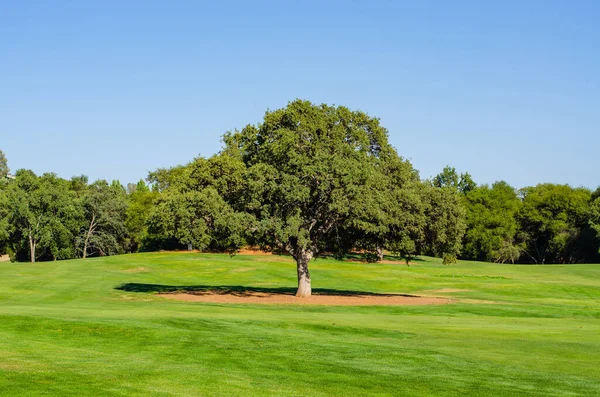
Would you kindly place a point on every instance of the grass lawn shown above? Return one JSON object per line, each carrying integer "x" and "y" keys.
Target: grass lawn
{"x": 67, "y": 329}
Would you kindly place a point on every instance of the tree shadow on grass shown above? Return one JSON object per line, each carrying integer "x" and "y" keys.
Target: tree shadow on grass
{"x": 238, "y": 290}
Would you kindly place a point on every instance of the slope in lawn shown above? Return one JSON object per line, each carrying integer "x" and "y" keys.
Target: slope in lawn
{"x": 70, "y": 328}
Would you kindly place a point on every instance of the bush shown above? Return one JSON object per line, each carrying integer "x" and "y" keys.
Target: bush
{"x": 449, "y": 259}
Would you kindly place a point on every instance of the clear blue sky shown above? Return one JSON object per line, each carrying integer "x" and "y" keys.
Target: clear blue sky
{"x": 504, "y": 90}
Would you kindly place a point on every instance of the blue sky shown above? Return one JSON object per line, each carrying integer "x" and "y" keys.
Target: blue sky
{"x": 504, "y": 90}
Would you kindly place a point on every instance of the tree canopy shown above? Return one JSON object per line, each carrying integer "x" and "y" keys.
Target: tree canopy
{"x": 315, "y": 173}
{"x": 552, "y": 218}
{"x": 3, "y": 165}
{"x": 307, "y": 180}
{"x": 491, "y": 223}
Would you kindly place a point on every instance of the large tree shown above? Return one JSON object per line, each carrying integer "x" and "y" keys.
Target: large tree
{"x": 309, "y": 170}
{"x": 552, "y": 218}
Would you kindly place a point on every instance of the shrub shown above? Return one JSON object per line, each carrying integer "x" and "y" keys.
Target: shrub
{"x": 449, "y": 259}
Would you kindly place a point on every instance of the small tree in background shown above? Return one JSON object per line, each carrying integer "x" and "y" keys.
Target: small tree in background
{"x": 198, "y": 217}
{"x": 140, "y": 200}
{"x": 3, "y": 165}
{"x": 42, "y": 216}
{"x": 445, "y": 221}
{"x": 492, "y": 225}
{"x": 104, "y": 213}
{"x": 449, "y": 259}
{"x": 594, "y": 220}
{"x": 552, "y": 218}
{"x": 464, "y": 183}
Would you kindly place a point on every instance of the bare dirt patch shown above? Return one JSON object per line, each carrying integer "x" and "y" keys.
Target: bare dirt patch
{"x": 4, "y": 258}
{"x": 290, "y": 299}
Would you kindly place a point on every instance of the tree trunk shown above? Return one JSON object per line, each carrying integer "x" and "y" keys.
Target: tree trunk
{"x": 31, "y": 248}
{"x": 87, "y": 236}
{"x": 379, "y": 252}
{"x": 304, "y": 288}
{"x": 85, "y": 247}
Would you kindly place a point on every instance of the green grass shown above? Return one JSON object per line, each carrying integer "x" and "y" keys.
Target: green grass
{"x": 66, "y": 329}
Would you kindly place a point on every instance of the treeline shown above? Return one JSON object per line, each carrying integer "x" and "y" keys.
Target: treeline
{"x": 49, "y": 218}
{"x": 547, "y": 223}
{"x": 310, "y": 179}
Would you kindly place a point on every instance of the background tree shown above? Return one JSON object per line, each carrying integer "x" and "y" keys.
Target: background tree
{"x": 594, "y": 219}
{"x": 552, "y": 218}
{"x": 449, "y": 178}
{"x": 492, "y": 225}
{"x": 198, "y": 217}
{"x": 104, "y": 213}
{"x": 393, "y": 218}
{"x": 41, "y": 216}
{"x": 445, "y": 221}
{"x": 466, "y": 183}
{"x": 3, "y": 165}
{"x": 163, "y": 178}
{"x": 4, "y": 225}
{"x": 140, "y": 203}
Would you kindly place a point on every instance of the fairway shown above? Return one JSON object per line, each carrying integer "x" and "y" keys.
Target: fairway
{"x": 97, "y": 327}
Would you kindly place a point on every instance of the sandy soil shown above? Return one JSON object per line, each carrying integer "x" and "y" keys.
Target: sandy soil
{"x": 289, "y": 299}
{"x": 4, "y": 258}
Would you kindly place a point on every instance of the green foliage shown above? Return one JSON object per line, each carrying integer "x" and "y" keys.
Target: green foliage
{"x": 140, "y": 203}
{"x": 450, "y": 178}
{"x": 49, "y": 218}
{"x": 449, "y": 259}
{"x": 42, "y": 217}
{"x": 466, "y": 183}
{"x": 594, "y": 220}
{"x": 163, "y": 178}
{"x": 552, "y": 218}
{"x": 4, "y": 224}
{"x": 492, "y": 224}
{"x": 308, "y": 179}
{"x": 201, "y": 218}
{"x": 105, "y": 209}
{"x": 447, "y": 178}
{"x": 3, "y": 165}
{"x": 325, "y": 178}
{"x": 445, "y": 221}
